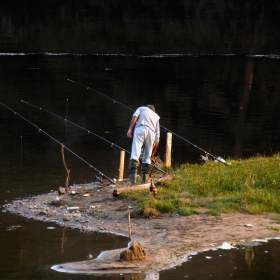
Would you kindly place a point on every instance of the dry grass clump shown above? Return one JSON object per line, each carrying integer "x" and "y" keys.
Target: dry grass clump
{"x": 146, "y": 212}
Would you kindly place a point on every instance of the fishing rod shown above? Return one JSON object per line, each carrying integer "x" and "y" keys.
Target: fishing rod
{"x": 88, "y": 131}
{"x": 40, "y": 130}
{"x": 67, "y": 121}
{"x": 166, "y": 129}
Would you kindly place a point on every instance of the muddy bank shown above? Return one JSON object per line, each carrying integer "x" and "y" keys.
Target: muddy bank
{"x": 167, "y": 240}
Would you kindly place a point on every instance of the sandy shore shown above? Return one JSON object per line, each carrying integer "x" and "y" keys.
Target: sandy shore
{"x": 167, "y": 240}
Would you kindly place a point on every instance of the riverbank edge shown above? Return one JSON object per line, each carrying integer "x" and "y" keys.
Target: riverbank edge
{"x": 168, "y": 240}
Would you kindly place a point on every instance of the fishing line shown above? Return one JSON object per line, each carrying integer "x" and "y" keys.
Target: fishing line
{"x": 40, "y": 130}
{"x": 166, "y": 129}
{"x": 88, "y": 131}
{"x": 67, "y": 121}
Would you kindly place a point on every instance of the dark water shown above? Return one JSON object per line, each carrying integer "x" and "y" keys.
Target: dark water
{"x": 210, "y": 68}
{"x": 243, "y": 262}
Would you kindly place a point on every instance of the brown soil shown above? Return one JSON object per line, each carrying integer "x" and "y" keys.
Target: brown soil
{"x": 167, "y": 240}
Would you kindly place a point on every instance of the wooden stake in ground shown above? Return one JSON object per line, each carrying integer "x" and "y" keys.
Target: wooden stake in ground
{"x": 121, "y": 168}
{"x": 168, "y": 149}
{"x": 129, "y": 226}
{"x": 67, "y": 170}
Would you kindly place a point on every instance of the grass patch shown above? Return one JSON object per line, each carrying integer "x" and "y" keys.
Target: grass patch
{"x": 273, "y": 228}
{"x": 187, "y": 211}
{"x": 250, "y": 186}
{"x": 213, "y": 212}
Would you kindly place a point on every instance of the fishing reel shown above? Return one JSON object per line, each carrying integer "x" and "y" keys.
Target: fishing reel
{"x": 98, "y": 179}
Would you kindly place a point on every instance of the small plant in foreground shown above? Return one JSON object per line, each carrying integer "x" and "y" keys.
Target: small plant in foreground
{"x": 146, "y": 212}
{"x": 150, "y": 213}
{"x": 213, "y": 212}
{"x": 187, "y": 211}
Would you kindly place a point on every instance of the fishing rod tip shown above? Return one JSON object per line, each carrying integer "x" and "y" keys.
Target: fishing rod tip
{"x": 70, "y": 80}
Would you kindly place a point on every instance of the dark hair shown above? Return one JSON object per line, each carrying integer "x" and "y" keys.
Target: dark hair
{"x": 151, "y": 107}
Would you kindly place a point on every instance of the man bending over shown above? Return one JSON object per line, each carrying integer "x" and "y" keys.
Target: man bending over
{"x": 146, "y": 135}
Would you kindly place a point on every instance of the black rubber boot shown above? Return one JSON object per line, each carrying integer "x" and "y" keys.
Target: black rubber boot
{"x": 145, "y": 178}
{"x": 145, "y": 171}
{"x": 133, "y": 165}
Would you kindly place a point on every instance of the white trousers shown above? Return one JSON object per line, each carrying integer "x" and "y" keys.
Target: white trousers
{"x": 143, "y": 137}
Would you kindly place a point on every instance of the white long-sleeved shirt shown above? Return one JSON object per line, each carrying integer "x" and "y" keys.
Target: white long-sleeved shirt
{"x": 148, "y": 117}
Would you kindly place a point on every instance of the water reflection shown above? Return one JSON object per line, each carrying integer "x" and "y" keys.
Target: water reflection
{"x": 249, "y": 255}
{"x": 248, "y": 81}
{"x": 63, "y": 239}
{"x": 204, "y": 109}
{"x": 33, "y": 247}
